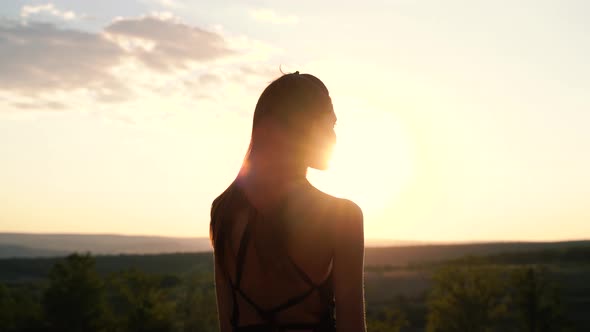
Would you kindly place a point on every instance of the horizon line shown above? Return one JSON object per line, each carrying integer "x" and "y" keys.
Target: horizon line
{"x": 403, "y": 241}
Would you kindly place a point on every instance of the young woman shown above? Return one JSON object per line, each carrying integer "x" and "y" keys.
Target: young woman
{"x": 288, "y": 257}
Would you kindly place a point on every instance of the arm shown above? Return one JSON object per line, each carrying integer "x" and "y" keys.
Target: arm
{"x": 223, "y": 292}
{"x": 348, "y": 269}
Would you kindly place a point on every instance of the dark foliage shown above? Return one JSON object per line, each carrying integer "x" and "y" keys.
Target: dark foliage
{"x": 175, "y": 292}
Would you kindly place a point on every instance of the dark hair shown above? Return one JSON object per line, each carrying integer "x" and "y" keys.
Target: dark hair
{"x": 287, "y": 101}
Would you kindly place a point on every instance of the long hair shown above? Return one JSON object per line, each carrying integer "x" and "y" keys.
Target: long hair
{"x": 290, "y": 101}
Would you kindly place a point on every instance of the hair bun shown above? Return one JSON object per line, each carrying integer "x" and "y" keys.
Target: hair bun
{"x": 296, "y": 73}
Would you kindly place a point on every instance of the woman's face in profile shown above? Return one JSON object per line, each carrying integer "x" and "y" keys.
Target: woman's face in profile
{"x": 322, "y": 139}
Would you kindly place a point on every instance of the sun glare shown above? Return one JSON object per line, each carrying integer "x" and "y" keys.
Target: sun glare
{"x": 371, "y": 162}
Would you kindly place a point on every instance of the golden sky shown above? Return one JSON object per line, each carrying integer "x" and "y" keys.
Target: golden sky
{"x": 462, "y": 121}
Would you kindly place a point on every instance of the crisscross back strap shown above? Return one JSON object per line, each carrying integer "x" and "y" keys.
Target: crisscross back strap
{"x": 269, "y": 315}
{"x": 302, "y": 273}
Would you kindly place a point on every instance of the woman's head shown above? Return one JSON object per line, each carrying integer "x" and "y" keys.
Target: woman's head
{"x": 293, "y": 126}
{"x": 294, "y": 118}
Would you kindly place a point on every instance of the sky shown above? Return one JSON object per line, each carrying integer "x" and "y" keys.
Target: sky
{"x": 457, "y": 120}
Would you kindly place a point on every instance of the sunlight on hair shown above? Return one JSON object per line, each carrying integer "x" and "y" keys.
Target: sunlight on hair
{"x": 372, "y": 161}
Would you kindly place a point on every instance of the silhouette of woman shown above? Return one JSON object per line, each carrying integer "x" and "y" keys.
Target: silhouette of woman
{"x": 288, "y": 256}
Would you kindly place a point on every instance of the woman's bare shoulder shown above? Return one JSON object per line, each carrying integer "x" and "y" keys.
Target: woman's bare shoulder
{"x": 334, "y": 210}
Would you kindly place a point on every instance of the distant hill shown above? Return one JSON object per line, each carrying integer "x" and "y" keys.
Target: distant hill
{"x": 377, "y": 259}
{"x": 51, "y": 245}
{"x": 404, "y": 255}
{"x": 378, "y": 251}
{"x": 48, "y": 245}
{"x": 7, "y": 250}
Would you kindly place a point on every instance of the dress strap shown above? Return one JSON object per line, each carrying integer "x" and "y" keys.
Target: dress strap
{"x": 241, "y": 257}
{"x": 244, "y": 246}
{"x": 302, "y": 273}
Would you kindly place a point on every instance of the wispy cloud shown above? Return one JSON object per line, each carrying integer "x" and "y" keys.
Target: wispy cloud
{"x": 270, "y": 16}
{"x": 39, "y": 57}
{"x": 43, "y": 63}
{"x": 50, "y": 9}
{"x": 167, "y": 43}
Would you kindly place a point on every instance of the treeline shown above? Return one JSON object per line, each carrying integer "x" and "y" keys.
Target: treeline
{"x": 175, "y": 263}
{"x": 578, "y": 255}
{"x": 478, "y": 298}
{"x": 76, "y": 298}
{"x": 180, "y": 263}
{"x": 492, "y": 298}
{"x": 570, "y": 255}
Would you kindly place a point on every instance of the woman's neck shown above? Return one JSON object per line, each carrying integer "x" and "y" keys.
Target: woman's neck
{"x": 273, "y": 172}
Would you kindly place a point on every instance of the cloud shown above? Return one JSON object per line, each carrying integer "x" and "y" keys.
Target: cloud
{"x": 167, "y": 43}
{"x": 40, "y": 58}
{"x": 270, "y": 16}
{"x": 131, "y": 62}
{"x": 209, "y": 78}
{"x": 49, "y": 105}
{"x": 48, "y": 8}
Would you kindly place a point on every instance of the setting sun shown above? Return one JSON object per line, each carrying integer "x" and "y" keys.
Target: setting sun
{"x": 372, "y": 161}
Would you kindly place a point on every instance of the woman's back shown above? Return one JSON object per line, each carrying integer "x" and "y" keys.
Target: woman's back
{"x": 301, "y": 285}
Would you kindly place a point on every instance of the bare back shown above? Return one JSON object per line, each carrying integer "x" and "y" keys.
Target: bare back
{"x": 315, "y": 224}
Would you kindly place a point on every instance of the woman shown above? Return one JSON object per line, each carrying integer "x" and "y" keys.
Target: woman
{"x": 287, "y": 256}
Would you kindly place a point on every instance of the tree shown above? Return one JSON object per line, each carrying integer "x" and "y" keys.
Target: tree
{"x": 20, "y": 309}
{"x": 6, "y": 307}
{"x": 142, "y": 303}
{"x": 392, "y": 320}
{"x": 467, "y": 299}
{"x": 74, "y": 300}
{"x": 197, "y": 306}
{"x": 535, "y": 300}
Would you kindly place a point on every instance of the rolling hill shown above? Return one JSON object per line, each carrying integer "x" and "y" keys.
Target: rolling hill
{"x": 378, "y": 252}
{"x": 49, "y": 245}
